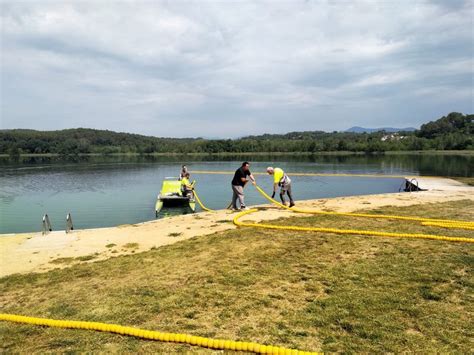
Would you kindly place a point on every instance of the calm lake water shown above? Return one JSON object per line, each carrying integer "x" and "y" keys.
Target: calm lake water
{"x": 108, "y": 191}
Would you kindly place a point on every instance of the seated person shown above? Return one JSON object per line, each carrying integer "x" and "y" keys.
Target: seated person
{"x": 184, "y": 170}
{"x": 186, "y": 186}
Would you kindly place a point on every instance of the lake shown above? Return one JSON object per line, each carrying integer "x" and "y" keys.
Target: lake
{"x": 114, "y": 190}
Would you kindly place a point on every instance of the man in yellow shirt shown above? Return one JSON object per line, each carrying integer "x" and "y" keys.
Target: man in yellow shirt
{"x": 186, "y": 186}
{"x": 282, "y": 180}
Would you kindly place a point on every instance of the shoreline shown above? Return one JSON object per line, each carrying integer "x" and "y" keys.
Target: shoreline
{"x": 466, "y": 152}
{"x": 33, "y": 252}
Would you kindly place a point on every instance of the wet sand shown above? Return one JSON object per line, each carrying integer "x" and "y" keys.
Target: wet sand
{"x": 34, "y": 252}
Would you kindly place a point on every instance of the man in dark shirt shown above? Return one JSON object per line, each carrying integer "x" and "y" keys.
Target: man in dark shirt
{"x": 238, "y": 184}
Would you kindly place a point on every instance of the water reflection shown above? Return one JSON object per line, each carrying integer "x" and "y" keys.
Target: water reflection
{"x": 422, "y": 164}
{"x": 174, "y": 211}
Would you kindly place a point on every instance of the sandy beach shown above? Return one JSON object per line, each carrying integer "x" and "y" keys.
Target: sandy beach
{"x": 34, "y": 252}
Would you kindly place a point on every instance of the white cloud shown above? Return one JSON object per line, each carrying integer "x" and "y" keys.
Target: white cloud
{"x": 385, "y": 79}
{"x": 136, "y": 66}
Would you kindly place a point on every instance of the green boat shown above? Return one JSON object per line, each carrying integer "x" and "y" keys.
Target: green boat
{"x": 171, "y": 194}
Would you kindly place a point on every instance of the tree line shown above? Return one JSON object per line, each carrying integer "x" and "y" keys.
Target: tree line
{"x": 451, "y": 132}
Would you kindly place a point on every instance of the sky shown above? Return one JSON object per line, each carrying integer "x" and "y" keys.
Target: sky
{"x": 233, "y": 68}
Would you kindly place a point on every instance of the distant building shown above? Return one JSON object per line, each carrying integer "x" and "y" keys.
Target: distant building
{"x": 392, "y": 137}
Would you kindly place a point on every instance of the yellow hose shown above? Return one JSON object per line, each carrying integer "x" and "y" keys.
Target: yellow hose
{"x": 346, "y": 231}
{"x": 200, "y": 203}
{"x": 453, "y": 223}
{"x": 444, "y": 223}
{"x": 448, "y": 225}
{"x": 221, "y": 344}
{"x": 425, "y": 221}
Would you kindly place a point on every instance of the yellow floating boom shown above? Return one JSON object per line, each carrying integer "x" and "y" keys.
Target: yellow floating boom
{"x": 219, "y": 172}
{"x": 220, "y": 344}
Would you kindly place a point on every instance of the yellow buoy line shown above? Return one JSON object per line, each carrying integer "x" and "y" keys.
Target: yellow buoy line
{"x": 220, "y": 344}
{"x": 219, "y": 172}
{"x": 448, "y": 225}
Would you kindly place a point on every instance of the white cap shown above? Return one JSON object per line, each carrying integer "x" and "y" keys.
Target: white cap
{"x": 270, "y": 170}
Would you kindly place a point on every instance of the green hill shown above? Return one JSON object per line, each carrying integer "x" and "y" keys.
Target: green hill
{"x": 453, "y": 132}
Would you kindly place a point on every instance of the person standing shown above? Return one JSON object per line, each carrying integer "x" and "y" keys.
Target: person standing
{"x": 238, "y": 183}
{"x": 184, "y": 171}
{"x": 282, "y": 180}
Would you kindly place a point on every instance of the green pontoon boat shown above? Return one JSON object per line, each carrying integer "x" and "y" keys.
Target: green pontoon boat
{"x": 172, "y": 195}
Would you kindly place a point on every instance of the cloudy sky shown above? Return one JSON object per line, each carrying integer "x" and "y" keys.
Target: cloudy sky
{"x": 228, "y": 69}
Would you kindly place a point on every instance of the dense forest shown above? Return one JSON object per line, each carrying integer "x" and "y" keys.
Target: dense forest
{"x": 451, "y": 132}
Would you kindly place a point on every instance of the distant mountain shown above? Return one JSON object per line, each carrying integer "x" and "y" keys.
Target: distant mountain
{"x": 386, "y": 129}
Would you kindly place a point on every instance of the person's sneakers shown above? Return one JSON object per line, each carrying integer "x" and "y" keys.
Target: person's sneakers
{"x": 244, "y": 208}
{"x": 291, "y": 204}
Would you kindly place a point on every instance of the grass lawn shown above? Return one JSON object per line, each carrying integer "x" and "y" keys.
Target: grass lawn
{"x": 310, "y": 291}
{"x": 465, "y": 180}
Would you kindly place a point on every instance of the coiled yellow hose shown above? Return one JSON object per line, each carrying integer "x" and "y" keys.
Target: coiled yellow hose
{"x": 446, "y": 222}
{"x": 425, "y": 221}
{"x": 346, "y": 231}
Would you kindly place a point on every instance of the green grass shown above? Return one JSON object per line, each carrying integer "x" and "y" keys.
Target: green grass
{"x": 131, "y": 245}
{"x": 87, "y": 257}
{"x": 62, "y": 261}
{"x": 466, "y": 180}
{"x": 431, "y": 152}
{"x": 307, "y": 290}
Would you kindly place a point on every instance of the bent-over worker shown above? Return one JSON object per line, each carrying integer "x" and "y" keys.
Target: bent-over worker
{"x": 282, "y": 180}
